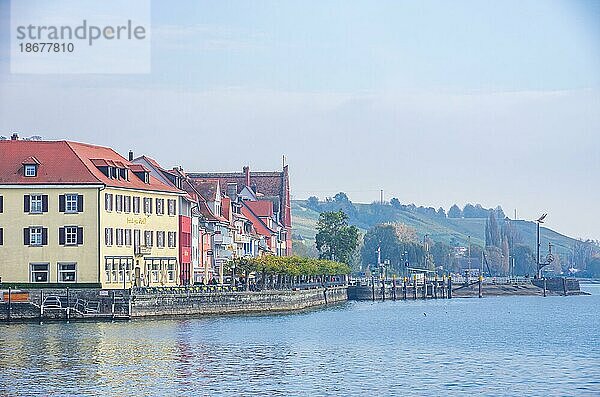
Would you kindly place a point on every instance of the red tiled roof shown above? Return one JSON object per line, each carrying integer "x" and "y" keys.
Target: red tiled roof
{"x": 260, "y": 227}
{"x": 64, "y": 162}
{"x": 261, "y": 208}
{"x": 207, "y": 188}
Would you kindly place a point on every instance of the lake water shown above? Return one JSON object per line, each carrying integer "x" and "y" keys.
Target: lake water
{"x": 492, "y": 346}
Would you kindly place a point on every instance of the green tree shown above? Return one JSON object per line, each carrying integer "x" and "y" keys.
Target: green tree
{"x": 312, "y": 202}
{"x": 454, "y": 212}
{"x": 393, "y": 240}
{"x": 335, "y": 239}
{"x": 524, "y": 260}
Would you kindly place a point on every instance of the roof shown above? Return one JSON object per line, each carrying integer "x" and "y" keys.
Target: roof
{"x": 263, "y": 208}
{"x": 270, "y": 183}
{"x": 65, "y": 162}
{"x": 259, "y": 225}
{"x": 207, "y": 188}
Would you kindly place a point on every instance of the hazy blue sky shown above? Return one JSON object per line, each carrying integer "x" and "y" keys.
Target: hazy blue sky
{"x": 435, "y": 102}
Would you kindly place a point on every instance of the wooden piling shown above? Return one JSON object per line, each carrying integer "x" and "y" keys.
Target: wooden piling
{"x": 404, "y": 280}
{"x": 564, "y": 282}
{"x": 41, "y": 304}
{"x": 544, "y": 287}
{"x": 394, "y": 288}
{"x": 68, "y": 306}
{"x": 424, "y": 288}
{"x": 480, "y": 280}
{"x": 9, "y": 313}
{"x": 373, "y": 288}
{"x": 449, "y": 287}
{"x": 382, "y": 289}
{"x": 415, "y": 286}
{"x": 435, "y": 287}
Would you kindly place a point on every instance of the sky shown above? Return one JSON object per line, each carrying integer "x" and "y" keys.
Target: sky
{"x": 434, "y": 102}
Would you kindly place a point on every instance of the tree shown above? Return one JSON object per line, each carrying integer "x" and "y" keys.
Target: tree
{"x": 335, "y": 239}
{"x": 441, "y": 213}
{"x": 469, "y": 211}
{"x": 393, "y": 240}
{"x": 312, "y": 202}
{"x": 492, "y": 232}
{"x": 454, "y": 212}
{"x": 394, "y": 202}
{"x": 524, "y": 260}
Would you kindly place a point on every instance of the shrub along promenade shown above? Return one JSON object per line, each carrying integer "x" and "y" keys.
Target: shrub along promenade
{"x": 266, "y": 284}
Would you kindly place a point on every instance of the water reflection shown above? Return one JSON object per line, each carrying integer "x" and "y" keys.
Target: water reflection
{"x": 507, "y": 346}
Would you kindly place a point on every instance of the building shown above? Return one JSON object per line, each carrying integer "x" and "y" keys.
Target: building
{"x": 74, "y": 213}
{"x": 259, "y": 186}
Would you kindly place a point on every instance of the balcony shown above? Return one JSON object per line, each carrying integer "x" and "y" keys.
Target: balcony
{"x": 142, "y": 250}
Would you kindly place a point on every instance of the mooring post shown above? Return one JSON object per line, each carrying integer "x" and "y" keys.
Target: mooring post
{"x": 435, "y": 286}
{"x": 393, "y": 287}
{"x": 8, "y": 314}
{"x": 415, "y": 286}
{"x": 373, "y": 287}
{"x": 112, "y": 306}
{"x": 41, "y": 304}
{"x": 68, "y": 305}
{"x": 544, "y": 287}
{"x": 480, "y": 282}
{"x": 564, "y": 281}
{"x": 424, "y": 287}
{"x": 449, "y": 287}
{"x": 443, "y": 286}
{"x": 383, "y": 289}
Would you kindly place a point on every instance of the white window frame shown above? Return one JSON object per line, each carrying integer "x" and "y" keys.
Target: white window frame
{"x": 108, "y": 202}
{"x": 36, "y": 203}
{"x": 171, "y": 272}
{"x": 70, "y": 235}
{"x": 119, "y": 237}
{"x": 62, "y": 271}
{"x": 127, "y": 204}
{"x": 36, "y": 231}
{"x": 71, "y": 203}
{"x": 148, "y": 238}
{"x": 127, "y": 237}
{"x": 160, "y": 239}
{"x": 30, "y": 170}
{"x": 32, "y": 272}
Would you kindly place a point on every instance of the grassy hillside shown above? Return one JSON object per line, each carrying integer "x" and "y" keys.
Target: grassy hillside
{"x": 446, "y": 230}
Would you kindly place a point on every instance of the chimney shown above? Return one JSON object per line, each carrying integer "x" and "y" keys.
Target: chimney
{"x": 14, "y": 137}
{"x": 131, "y": 155}
{"x": 247, "y": 175}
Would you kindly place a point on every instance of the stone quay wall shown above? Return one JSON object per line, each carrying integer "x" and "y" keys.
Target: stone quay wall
{"x": 189, "y": 303}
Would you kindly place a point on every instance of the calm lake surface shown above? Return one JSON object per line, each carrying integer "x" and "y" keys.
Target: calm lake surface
{"x": 492, "y": 346}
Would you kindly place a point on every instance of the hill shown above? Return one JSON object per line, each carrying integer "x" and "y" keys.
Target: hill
{"x": 452, "y": 231}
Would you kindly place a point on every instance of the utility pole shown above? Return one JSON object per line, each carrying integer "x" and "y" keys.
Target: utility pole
{"x": 539, "y": 221}
{"x": 381, "y": 196}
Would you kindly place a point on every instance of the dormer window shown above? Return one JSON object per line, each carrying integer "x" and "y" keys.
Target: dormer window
{"x": 30, "y": 169}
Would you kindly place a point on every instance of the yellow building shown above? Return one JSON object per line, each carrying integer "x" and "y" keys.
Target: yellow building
{"x": 79, "y": 214}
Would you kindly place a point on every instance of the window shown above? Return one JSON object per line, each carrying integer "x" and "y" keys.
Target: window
{"x": 108, "y": 201}
{"x": 36, "y": 202}
{"x": 160, "y": 239}
{"x": 147, "y": 205}
{"x": 119, "y": 202}
{"x": 67, "y": 272}
{"x": 119, "y": 236}
{"x": 160, "y": 206}
{"x": 171, "y": 210}
{"x": 128, "y": 237}
{"x": 136, "y": 205}
{"x": 127, "y": 204}
{"x": 172, "y": 239}
{"x": 35, "y": 235}
{"x": 154, "y": 271}
{"x": 30, "y": 169}
{"x": 71, "y": 203}
{"x": 136, "y": 239}
{"x": 70, "y": 235}
{"x": 171, "y": 271}
{"x": 108, "y": 236}
{"x": 148, "y": 238}
{"x": 40, "y": 272}
{"x": 117, "y": 269}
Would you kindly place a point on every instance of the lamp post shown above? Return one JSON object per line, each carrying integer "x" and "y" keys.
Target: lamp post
{"x": 539, "y": 221}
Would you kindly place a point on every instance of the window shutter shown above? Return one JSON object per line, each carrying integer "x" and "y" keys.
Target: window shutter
{"x": 26, "y": 203}
{"x": 61, "y": 203}
{"x": 1, "y": 236}
{"x": 80, "y": 203}
{"x": 44, "y": 236}
{"x": 61, "y": 235}
{"x": 44, "y": 203}
{"x": 1, "y": 204}
{"x": 26, "y": 236}
{"x": 80, "y": 234}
